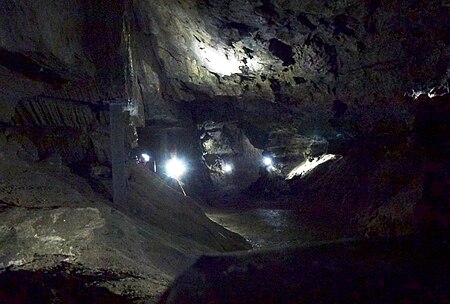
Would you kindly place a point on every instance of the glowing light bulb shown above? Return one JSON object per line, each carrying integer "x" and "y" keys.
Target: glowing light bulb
{"x": 267, "y": 161}
{"x": 175, "y": 168}
{"x": 227, "y": 168}
{"x": 146, "y": 157}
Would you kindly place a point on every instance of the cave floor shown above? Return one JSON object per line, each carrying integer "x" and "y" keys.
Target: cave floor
{"x": 269, "y": 224}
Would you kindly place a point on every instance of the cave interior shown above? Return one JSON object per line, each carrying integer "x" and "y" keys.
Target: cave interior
{"x": 224, "y": 151}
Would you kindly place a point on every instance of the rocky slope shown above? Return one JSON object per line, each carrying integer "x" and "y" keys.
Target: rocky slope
{"x": 52, "y": 222}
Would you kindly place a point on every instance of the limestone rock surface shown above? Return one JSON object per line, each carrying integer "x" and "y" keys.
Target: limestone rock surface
{"x": 51, "y": 218}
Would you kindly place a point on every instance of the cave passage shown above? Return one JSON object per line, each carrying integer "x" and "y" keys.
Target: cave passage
{"x": 178, "y": 151}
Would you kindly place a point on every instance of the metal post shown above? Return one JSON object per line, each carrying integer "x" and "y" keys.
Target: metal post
{"x": 117, "y": 127}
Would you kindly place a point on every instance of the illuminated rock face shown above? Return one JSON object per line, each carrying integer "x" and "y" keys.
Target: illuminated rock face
{"x": 289, "y": 72}
{"x": 315, "y": 66}
{"x": 282, "y": 72}
{"x": 286, "y": 78}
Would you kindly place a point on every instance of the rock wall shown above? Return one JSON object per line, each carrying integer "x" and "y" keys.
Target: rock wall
{"x": 224, "y": 144}
{"x": 60, "y": 66}
{"x": 388, "y": 185}
{"x": 289, "y": 72}
{"x": 313, "y": 69}
{"x": 277, "y": 76}
{"x": 316, "y": 61}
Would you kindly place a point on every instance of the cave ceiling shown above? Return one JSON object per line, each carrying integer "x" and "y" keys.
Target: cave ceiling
{"x": 309, "y": 68}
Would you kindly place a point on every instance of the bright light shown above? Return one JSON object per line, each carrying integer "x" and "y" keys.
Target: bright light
{"x": 175, "y": 168}
{"x": 217, "y": 60}
{"x": 308, "y": 165}
{"x": 227, "y": 168}
{"x": 267, "y": 161}
{"x": 146, "y": 157}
